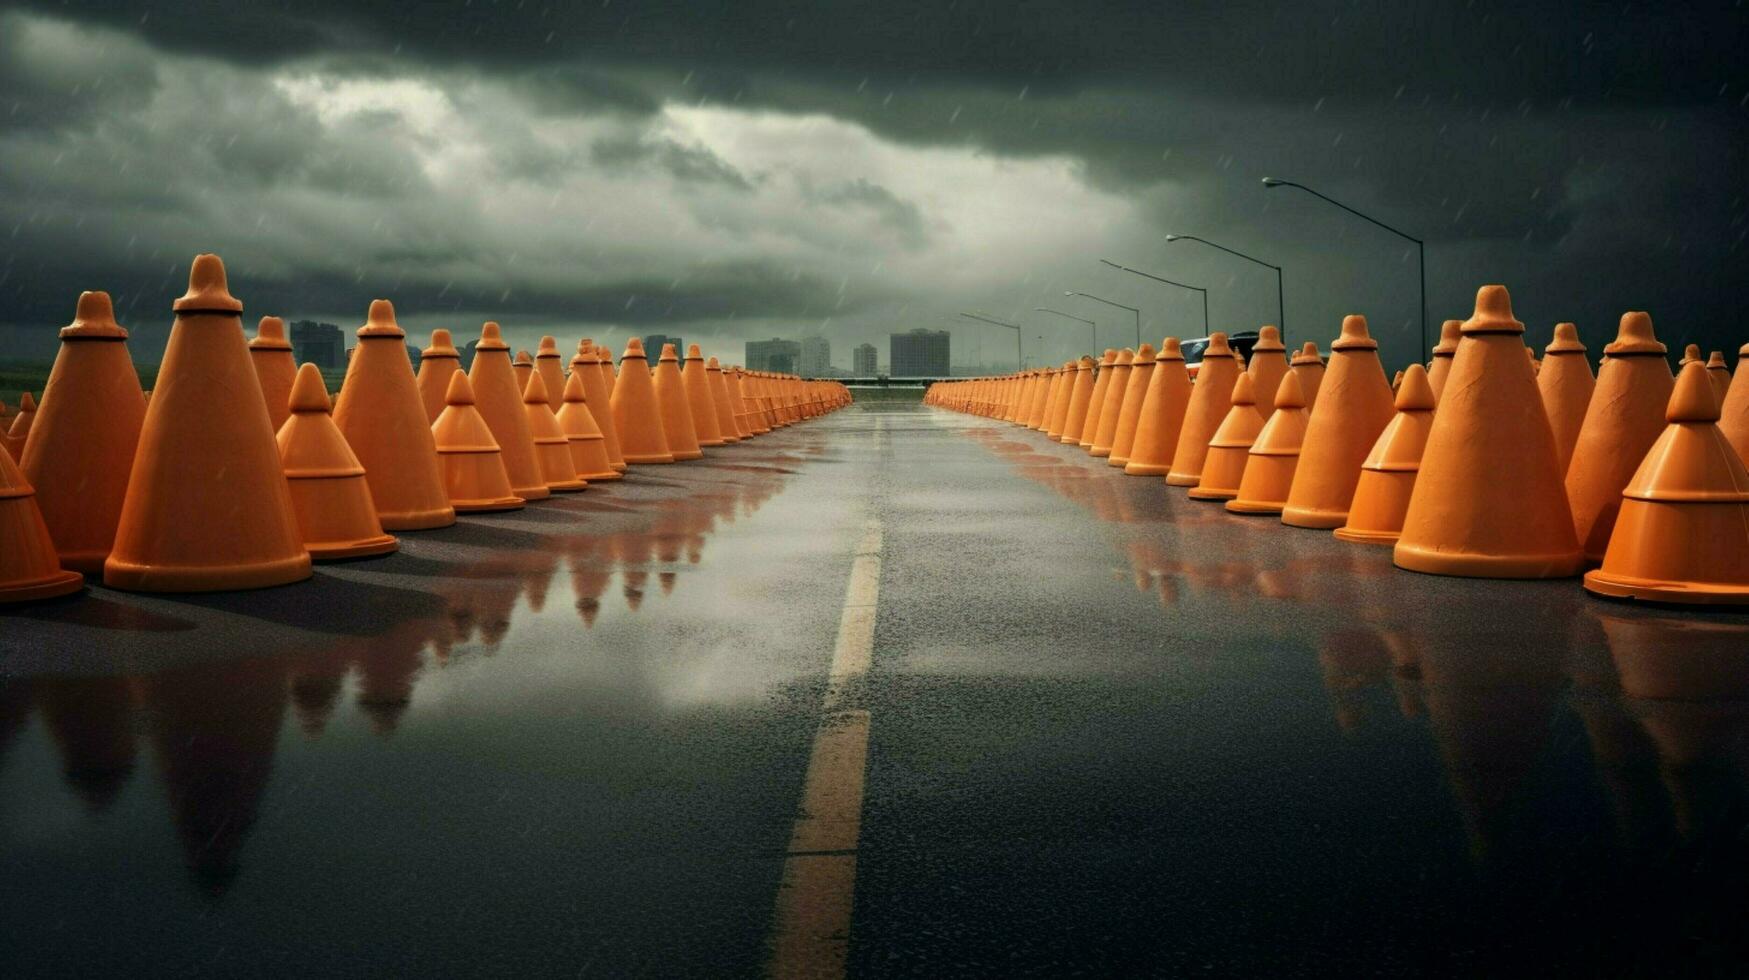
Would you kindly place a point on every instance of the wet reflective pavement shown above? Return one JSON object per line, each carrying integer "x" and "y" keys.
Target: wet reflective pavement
{"x": 1110, "y": 730}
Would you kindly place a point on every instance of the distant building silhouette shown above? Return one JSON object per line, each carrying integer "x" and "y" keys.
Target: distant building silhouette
{"x": 413, "y": 355}
{"x": 782, "y": 356}
{"x": 653, "y": 346}
{"x": 321, "y": 344}
{"x": 466, "y": 355}
{"x": 816, "y": 357}
{"x": 920, "y": 353}
{"x": 862, "y": 361}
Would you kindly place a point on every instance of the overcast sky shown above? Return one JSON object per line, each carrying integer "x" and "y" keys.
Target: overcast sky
{"x": 728, "y": 171}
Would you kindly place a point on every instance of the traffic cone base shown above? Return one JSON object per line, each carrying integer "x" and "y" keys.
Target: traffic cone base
{"x": 29, "y": 568}
{"x": 464, "y": 475}
{"x": 1380, "y": 498}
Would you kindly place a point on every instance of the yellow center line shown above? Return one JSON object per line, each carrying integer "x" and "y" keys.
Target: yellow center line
{"x": 811, "y": 932}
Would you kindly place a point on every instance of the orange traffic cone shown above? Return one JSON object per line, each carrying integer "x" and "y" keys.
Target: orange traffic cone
{"x": 1718, "y": 374}
{"x": 1683, "y": 532}
{"x": 1625, "y": 417}
{"x": 1059, "y": 413}
{"x": 207, "y": 507}
{"x": 1734, "y": 415}
{"x": 596, "y": 363}
{"x": 1080, "y": 396}
{"x": 1450, "y": 332}
{"x": 1565, "y": 383}
{"x": 697, "y": 385}
{"x": 498, "y": 399}
{"x": 328, "y": 491}
{"x": 19, "y": 432}
{"x": 1689, "y": 353}
{"x": 588, "y": 446}
{"x": 1354, "y": 406}
{"x": 1269, "y": 364}
{"x": 436, "y": 364}
{"x": 1129, "y": 413}
{"x": 473, "y": 466}
{"x": 1488, "y": 501}
{"x": 635, "y": 412}
{"x": 382, "y": 416}
{"x": 549, "y": 364}
{"x": 551, "y": 446}
{"x": 81, "y": 445}
{"x": 29, "y": 567}
{"x": 1387, "y": 478}
{"x": 1162, "y": 416}
{"x": 676, "y": 410}
{"x": 1096, "y": 399}
{"x": 719, "y": 391}
{"x": 1275, "y": 453}
{"x": 523, "y": 366}
{"x": 271, "y": 354}
{"x": 1115, "y": 392}
{"x": 1224, "y": 464}
{"x": 1308, "y": 365}
{"x": 747, "y": 413}
{"x": 1210, "y": 401}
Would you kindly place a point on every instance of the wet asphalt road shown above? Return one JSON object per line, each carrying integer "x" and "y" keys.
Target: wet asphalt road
{"x": 1111, "y": 731}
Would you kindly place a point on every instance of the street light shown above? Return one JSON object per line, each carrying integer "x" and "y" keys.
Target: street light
{"x": 1280, "y": 309}
{"x": 1107, "y": 302}
{"x": 1419, "y": 244}
{"x": 1012, "y": 326}
{"x": 1092, "y": 328}
{"x": 1169, "y": 282}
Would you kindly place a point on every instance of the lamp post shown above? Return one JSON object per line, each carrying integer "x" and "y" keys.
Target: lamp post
{"x": 1169, "y": 282}
{"x": 1420, "y": 246}
{"x": 1012, "y": 326}
{"x": 1107, "y": 302}
{"x": 1092, "y": 328}
{"x": 1280, "y": 308}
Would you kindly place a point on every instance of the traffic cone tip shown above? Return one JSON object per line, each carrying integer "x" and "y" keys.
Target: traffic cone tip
{"x": 207, "y": 287}
{"x": 1354, "y": 335}
{"x": 94, "y": 317}
{"x": 309, "y": 393}
{"x": 380, "y": 321}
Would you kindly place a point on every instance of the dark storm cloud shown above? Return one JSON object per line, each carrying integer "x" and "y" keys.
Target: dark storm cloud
{"x": 687, "y": 164}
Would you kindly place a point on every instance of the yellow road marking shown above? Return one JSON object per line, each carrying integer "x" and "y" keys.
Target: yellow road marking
{"x": 811, "y": 932}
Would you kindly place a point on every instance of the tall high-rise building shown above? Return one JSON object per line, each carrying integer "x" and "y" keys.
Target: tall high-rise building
{"x": 816, "y": 357}
{"x": 321, "y": 344}
{"x": 863, "y": 360}
{"x": 782, "y": 356}
{"x": 920, "y": 353}
{"x": 653, "y": 346}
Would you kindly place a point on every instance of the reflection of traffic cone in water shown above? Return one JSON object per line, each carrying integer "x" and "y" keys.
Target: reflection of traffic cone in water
{"x": 1161, "y": 419}
{"x": 271, "y": 354}
{"x": 382, "y": 416}
{"x": 1268, "y": 366}
{"x": 1488, "y": 500}
{"x": 1230, "y": 446}
{"x": 523, "y": 366}
{"x": 1387, "y": 478}
{"x": 1115, "y": 392}
{"x": 1079, "y": 398}
{"x": 1210, "y": 400}
{"x": 1718, "y": 374}
{"x": 549, "y": 364}
{"x": 1565, "y": 383}
{"x": 19, "y": 432}
{"x": 1269, "y": 468}
{"x": 635, "y": 411}
{"x": 1308, "y": 366}
{"x": 82, "y": 442}
{"x": 1354, "y": 406}
{"x": 597, "y": 365}
{"x": 329, "y": 494}
{"x": 473, "y": 465}
{"x": 1625, "y": 417}
{"x": 719, "y": 390}
{"x": 29, "y": 567}
{"x": 551, "y": 446}
{"x": 676, "y": 411}
{"x": 1129, "y": 412}
{"x": 436, "y": 364}
{"x": 92, "y": 721}
{"x": 1734, "y": 413}
{"x": 697, "y": 385}
{"x": 1683, "y": 531}
{"x": 499, "y": 401}
{"x": 1450, "y": 332}
{"x": 587, "y": 446}
{"x": 1096, "y": 399}
{"x": 207, "y": 506}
